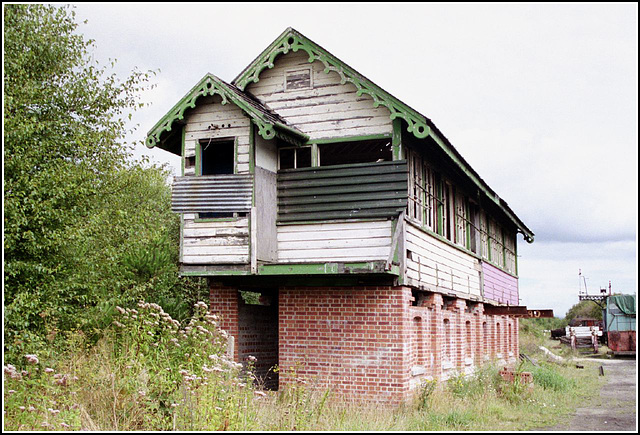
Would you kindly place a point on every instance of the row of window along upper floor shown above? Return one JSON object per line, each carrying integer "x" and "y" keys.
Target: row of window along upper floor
{"x": 437, "y": 205}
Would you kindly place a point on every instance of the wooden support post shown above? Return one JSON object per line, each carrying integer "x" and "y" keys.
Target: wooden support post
{"x": 254, "y": 240}
{"x": 394, "y": 240}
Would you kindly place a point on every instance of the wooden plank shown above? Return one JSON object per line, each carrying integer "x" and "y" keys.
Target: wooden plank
{"x": 338, "y": 243}
{"x": 342, "y": 214}
{"x": 306, "y": 236}
{"x": 323, "y": 182}
{"x": 266, "y": 213}
{"x": 333, "y": 226}
{"x": 215, "y": 259}
{"x": 324, "y": 206}
{"x": 254, "y": 240}
{"x": 350, "y": 252}
{"x": 216, "y": 241}
{"x": 214, "y": 232}
{"x": 221, "y": 250}
{"x": 398, "y": 186}
{"x": 233, "y": 223}
{"x": 394, "y": 241}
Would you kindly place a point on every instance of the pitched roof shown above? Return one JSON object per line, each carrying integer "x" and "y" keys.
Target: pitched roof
{"x": 418, "y": 124}
{"x": 269, "y": 124}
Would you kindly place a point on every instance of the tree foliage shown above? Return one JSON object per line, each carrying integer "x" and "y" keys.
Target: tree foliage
{"x": 584, "y": 309}
{"x": 85, "y": 227}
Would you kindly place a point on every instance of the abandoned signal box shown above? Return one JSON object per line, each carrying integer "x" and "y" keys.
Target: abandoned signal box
{"x": 380, "y": 256}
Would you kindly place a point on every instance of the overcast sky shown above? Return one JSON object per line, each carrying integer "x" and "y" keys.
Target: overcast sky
{"x": 541, "y": 99}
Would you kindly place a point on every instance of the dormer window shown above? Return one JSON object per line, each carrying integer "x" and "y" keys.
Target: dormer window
{"x": 298, "y": 79}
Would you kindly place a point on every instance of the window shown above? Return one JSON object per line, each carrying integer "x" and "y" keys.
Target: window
{"x": 291, "y": 158}
{"x": 445, "y": 208}
{"x": 422, "y": 192}
{"x": 496, "y": 243}
{"x": 472, "y": 228}
{"x": 217, "y": 157}
{"x": 510, "y": 251}
{"x": 346, "y": 153}
{"x": 484, "y": 235}
{"x": 461, "y": 220}
{"x": 298, "y": 79}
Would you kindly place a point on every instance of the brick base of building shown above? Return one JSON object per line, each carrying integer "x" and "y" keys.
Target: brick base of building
{"x": 364, "y": 343}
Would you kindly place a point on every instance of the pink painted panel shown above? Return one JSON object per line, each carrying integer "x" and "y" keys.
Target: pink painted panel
{"x": 499, "y": 286}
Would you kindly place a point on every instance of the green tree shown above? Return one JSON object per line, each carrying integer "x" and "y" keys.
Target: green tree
{"x": 84, "y": 227}
{"x": 584, "y": 309}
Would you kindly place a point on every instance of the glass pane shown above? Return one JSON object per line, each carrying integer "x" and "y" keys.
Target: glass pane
{"x": 287, "y": 158}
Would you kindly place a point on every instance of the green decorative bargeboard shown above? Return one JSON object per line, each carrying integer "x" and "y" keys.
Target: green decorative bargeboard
{"x": 291, "y": 40}
{"x": 211, "y": 85}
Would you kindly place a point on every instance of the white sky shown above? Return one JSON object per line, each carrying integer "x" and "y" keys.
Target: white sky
{"x": 541, "y": 99}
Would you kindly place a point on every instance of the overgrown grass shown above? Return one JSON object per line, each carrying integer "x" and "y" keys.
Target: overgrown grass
{"x": 151, "y": 373}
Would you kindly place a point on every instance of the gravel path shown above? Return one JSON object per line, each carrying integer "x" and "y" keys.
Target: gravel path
{"x": 615, "y": 408}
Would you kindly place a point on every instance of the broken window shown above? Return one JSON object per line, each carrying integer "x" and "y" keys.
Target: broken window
{"x": 422, "y": 197}
{"x": 346, "y": 153}
{"x": 291, "y": 158}
{"x": 217, "y": 157}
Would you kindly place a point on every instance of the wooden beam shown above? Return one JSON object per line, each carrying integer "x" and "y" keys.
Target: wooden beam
{"x": 516, "y": 311}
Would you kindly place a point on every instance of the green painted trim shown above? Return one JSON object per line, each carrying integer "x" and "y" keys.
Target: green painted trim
{"x": 235, "y": 155}
{"x": 315, "y": 155}
{"x": 326, "y": 268}
{"x": 528, "y": 235}
{"x": 217, "y": 273}
{"x": 350, "y": 138}
{"x": 198, "y": 168}
{"x": 183, "y": 157}
{"x": 396, "y": 140}
{"x": 231, "y": 219}
{"x": 252, "y": 148}
{"x": 212, "y": 85}
{"x": 252, "y": 167}
{"x": 291, "y": 40}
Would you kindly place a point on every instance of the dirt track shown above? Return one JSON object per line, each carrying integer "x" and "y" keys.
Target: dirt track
{"x": 615, "y": 408}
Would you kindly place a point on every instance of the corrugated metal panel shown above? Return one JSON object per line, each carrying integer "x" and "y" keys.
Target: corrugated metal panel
{"x": 212, "y": 193}
{"x": 362, "y": 190}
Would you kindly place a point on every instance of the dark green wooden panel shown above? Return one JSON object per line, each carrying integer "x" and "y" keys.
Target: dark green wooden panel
{"x": 342, "y": 192}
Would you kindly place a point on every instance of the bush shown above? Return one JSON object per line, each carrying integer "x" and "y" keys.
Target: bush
{"x": 548, "y": 378}
{"x": 147, "y": 373}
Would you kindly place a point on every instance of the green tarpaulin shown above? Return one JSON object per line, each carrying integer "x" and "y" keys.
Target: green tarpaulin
{"x": 626, "y": 303}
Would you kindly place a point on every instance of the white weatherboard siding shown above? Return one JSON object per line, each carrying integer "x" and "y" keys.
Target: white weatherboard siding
{"x": 231, "y": 123}
{"x": 328, "y": 110}
{"x": 334, "y": 242}
{"x": 436, "y": 265}
{"x": 216, "y": 242}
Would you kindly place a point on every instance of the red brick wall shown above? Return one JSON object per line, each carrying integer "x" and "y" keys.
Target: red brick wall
{"x": 224, "y": 302}
{"x": 363, "y": 342}
{"x": 353, "y": 340}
